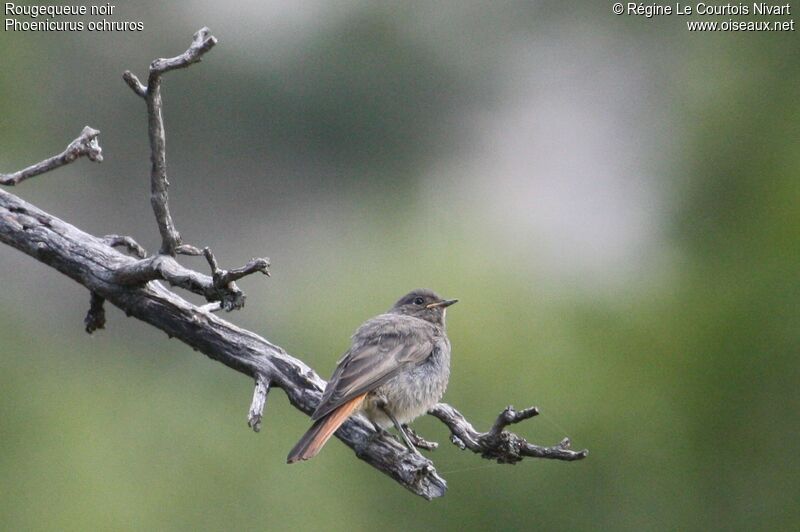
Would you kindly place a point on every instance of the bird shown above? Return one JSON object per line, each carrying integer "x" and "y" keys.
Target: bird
{"x": 396, "y": 369}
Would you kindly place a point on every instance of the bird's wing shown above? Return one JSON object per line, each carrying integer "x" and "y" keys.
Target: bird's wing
{"x": 381, "y": 348}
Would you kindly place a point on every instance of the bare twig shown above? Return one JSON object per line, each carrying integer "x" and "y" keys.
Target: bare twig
{"x": 498, "y": 444}
{"x": 202, "y": 42}
{"x": 117, "y": 241}
{"x": 134, "y": 83}
{"x": 223, "y": 278}
{"x": 85, "y": 145}
{"x": 256, "y": 411}
{"x": 96, "y": 317}
{"x": 159, "y": 198}
{"x": 218, "y": 288}
{"x": 187, "y": 249}
{"x": 164, "y": 267}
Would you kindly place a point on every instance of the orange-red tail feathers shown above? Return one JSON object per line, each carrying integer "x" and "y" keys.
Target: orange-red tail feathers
{"x": 321, "y": 431}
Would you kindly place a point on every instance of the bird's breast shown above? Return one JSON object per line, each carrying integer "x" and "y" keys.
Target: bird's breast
{"x": 413, "y": 391}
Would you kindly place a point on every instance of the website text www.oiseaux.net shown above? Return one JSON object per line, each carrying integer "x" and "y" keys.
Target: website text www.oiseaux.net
{"x": 740, "y": 25}
{"x": 693, "y": 12}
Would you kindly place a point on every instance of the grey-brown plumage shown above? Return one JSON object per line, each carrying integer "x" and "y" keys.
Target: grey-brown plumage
{"x": 396, "y": 369}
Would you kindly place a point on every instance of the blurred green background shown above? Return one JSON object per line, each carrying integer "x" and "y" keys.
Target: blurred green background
{"x": 615, "y": 200}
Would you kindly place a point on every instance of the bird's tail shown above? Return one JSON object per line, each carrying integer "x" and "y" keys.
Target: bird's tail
{"x": 321, "y": 431}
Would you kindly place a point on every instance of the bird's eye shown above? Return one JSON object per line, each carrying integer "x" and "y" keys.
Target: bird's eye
{"x": 418, "y": 301}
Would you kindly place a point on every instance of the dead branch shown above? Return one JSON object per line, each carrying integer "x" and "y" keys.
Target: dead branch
{"x": 127, "y": 282}
{"x": 220, "y": 288}
{"x": 499, "y": 444}
{"x": 96, "y": 317}
{"x": 259, "y": 402}
{"x": 85, "y": 145}
{"x": 118, "y": 241}
{"x": 202, "y": 42}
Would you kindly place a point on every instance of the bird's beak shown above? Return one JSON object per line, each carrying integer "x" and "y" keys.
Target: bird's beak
{"x": 445, "y": 303}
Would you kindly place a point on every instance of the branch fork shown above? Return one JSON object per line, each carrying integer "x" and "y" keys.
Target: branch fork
{"x": 221, "y": 287}
{"x": 202, "y": 42}
{"x": 218, "y": 289}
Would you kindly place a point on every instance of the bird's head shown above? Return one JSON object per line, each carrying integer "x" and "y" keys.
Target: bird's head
{"x": 424, "y": 304}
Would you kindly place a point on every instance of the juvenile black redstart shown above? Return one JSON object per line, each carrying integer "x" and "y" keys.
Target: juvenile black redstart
{"x": 395, "y": 370}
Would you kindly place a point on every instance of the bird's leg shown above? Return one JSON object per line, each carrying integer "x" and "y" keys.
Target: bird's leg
{"x": 418, "y": 440}
{"x": 381, "y": 403}
{"x": 380, "y": 430}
